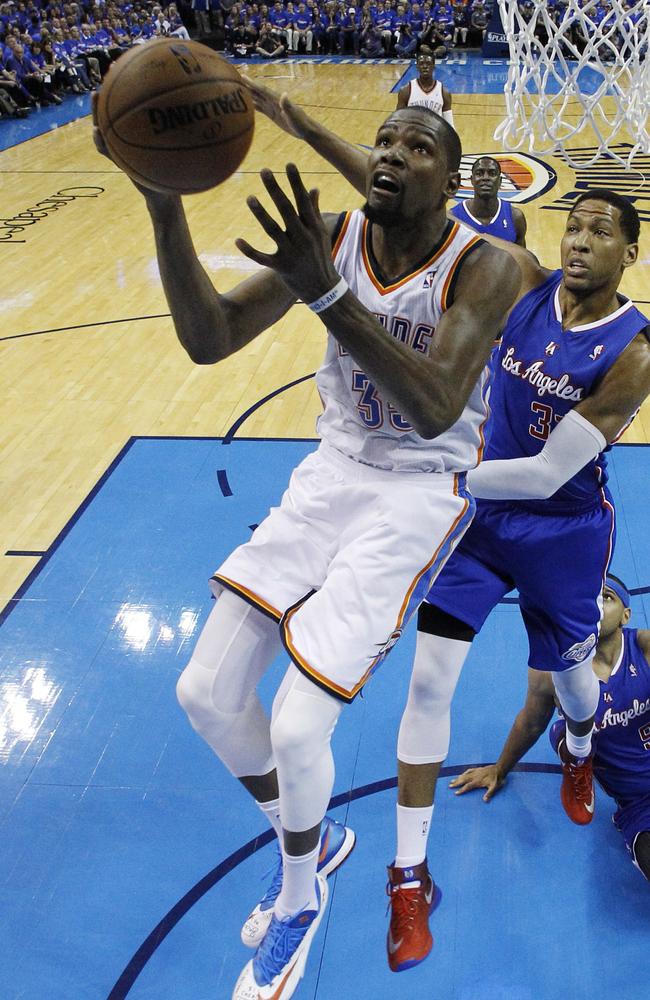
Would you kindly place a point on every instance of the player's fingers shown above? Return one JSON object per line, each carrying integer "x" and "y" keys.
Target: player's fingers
{"x": 265, "y": 259}
{"x": 304, "y": 202}
{"x": 280, "y": 199}
{"x": 266, "y": 221}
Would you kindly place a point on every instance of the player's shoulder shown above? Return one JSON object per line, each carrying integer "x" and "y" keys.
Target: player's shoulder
{"x": 643, "y": 641}
{"x": 487, "y": 274}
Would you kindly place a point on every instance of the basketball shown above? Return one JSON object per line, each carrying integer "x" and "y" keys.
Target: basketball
{"x": 175, "y": 116}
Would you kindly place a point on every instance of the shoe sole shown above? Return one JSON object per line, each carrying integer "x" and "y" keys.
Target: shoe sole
{"x": 343, "y": 853}
{"x": 412, "y": 962}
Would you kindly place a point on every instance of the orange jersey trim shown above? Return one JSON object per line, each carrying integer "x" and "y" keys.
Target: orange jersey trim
{"x": 428, "y": 566}
{"x": 332, "y": 686}
{"x": 323, "y": 681}
{"x": 385, "y": 289}
{"x": 248, "y": 595}
{"x": 454, "y": 268}
{"x": 339, "y": 238}
{"x": 481, "y": 430}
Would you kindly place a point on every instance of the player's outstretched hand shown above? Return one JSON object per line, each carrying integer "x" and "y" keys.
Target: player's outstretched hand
{"x": 304, "y": 255}
{"x": 278, "y": 108}
{"x": 153, "y": 197}
{"x": 479, "y": 777}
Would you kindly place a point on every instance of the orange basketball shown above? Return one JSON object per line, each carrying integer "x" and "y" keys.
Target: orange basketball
{"x": 175, "y": 116}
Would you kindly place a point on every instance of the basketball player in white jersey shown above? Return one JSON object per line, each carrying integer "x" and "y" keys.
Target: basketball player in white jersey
{"x": 412, "y": 302}
{"x": 426, "y": 91}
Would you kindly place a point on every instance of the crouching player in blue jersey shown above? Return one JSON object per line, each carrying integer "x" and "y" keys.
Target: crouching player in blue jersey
{"x": 622, "y": 736}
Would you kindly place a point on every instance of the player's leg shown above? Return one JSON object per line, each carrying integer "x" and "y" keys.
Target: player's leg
{"x": 641, "y": 852}
{"x": 342, "y": 633}
{"x": 633, "y": 822}
{"x": 455, "y": 609}
{"x": 303, "y": 720}
{"x": 560, "y": 579}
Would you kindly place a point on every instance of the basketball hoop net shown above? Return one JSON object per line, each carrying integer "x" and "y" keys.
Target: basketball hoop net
{"x": 574, "y": 66}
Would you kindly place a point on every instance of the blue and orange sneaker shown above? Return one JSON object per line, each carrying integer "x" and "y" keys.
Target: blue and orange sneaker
{"x": 413, "y": 897}
{"x": 279, "y": 963}
{"x": 336, "y": 843}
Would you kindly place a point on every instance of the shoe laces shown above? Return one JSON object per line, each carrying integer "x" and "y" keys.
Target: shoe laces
{"x": 274, "y": 888}
{"x": 277, "y": 948}
{"x": 581, "y": 780}
{"x": 405, "y": 905}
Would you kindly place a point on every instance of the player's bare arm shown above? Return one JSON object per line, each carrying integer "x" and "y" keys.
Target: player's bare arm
{"x": 532, "y": 272}
{"x": 519, "y": 220}
{"x": 350, "y": 161}
{"x": 527, "y": 728}
{"x": 622, "y": 390}
{"x": 643, "y": 639}
{"x": 430, "y": 392}
{"x": 403, "y": 97}
{"x": 210, "y": 326}
{"x": 446, "y": 99}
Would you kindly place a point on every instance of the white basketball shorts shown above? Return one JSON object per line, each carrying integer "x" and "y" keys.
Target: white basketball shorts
{"x": 346, "y": 559}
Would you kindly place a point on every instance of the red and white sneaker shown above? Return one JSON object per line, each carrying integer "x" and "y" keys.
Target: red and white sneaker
{"x": 577, "y": 792}
{"x": 413, "y": 897}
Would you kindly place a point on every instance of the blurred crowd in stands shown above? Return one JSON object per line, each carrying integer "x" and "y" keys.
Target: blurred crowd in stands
{"x": 49, "y": 50}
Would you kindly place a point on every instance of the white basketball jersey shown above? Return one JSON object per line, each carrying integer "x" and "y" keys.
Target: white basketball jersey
{"x": 428, "y": 98}
{"x": 357, "y": 420}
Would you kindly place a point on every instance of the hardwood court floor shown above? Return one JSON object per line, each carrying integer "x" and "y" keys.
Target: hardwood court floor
{"x": 88, "y": 354}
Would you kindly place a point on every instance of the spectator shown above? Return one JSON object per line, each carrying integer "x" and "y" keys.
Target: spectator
{"x": 202, "y": 21}
{"x": 479, "y": 22}
{"x": 31, "y": 77}
{"x": 269, "y": 45}
{"x": 303, "y": 29}
{"x": 370, "y": 39}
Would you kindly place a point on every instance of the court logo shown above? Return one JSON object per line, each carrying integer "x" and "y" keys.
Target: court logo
{"x": 609, "y": 173}
{"x": 523, "y": 177}
{"x": 9, "y": 228}
{"x": 580, "y": 650}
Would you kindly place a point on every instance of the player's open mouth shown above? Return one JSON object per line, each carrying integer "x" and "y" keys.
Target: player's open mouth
{"x": 576, "y": 265}
{"x": 385, "y": 183}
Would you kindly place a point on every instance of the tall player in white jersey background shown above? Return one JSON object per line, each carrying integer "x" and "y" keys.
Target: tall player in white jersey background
{"x": 370, "y": 518}
{"x": 425, "y": 91}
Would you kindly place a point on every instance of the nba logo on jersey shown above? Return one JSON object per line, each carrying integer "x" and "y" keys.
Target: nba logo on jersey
{"x": 597, "y": 351}
{"x": 428, "y": 279}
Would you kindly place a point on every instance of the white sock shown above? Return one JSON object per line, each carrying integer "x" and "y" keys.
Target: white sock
{"x": 578, "y": 746}
{"x": 412, "y": 835}
{"x": 298, "y": 884}
{"x": 272, "y": 812}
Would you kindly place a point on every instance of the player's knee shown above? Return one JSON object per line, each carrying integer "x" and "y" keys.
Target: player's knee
{"x": 193, "y": 694}
{"x": 292, "y": 737}
{"x": 642, "y": 853}
{"x": 302, "y": 727}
